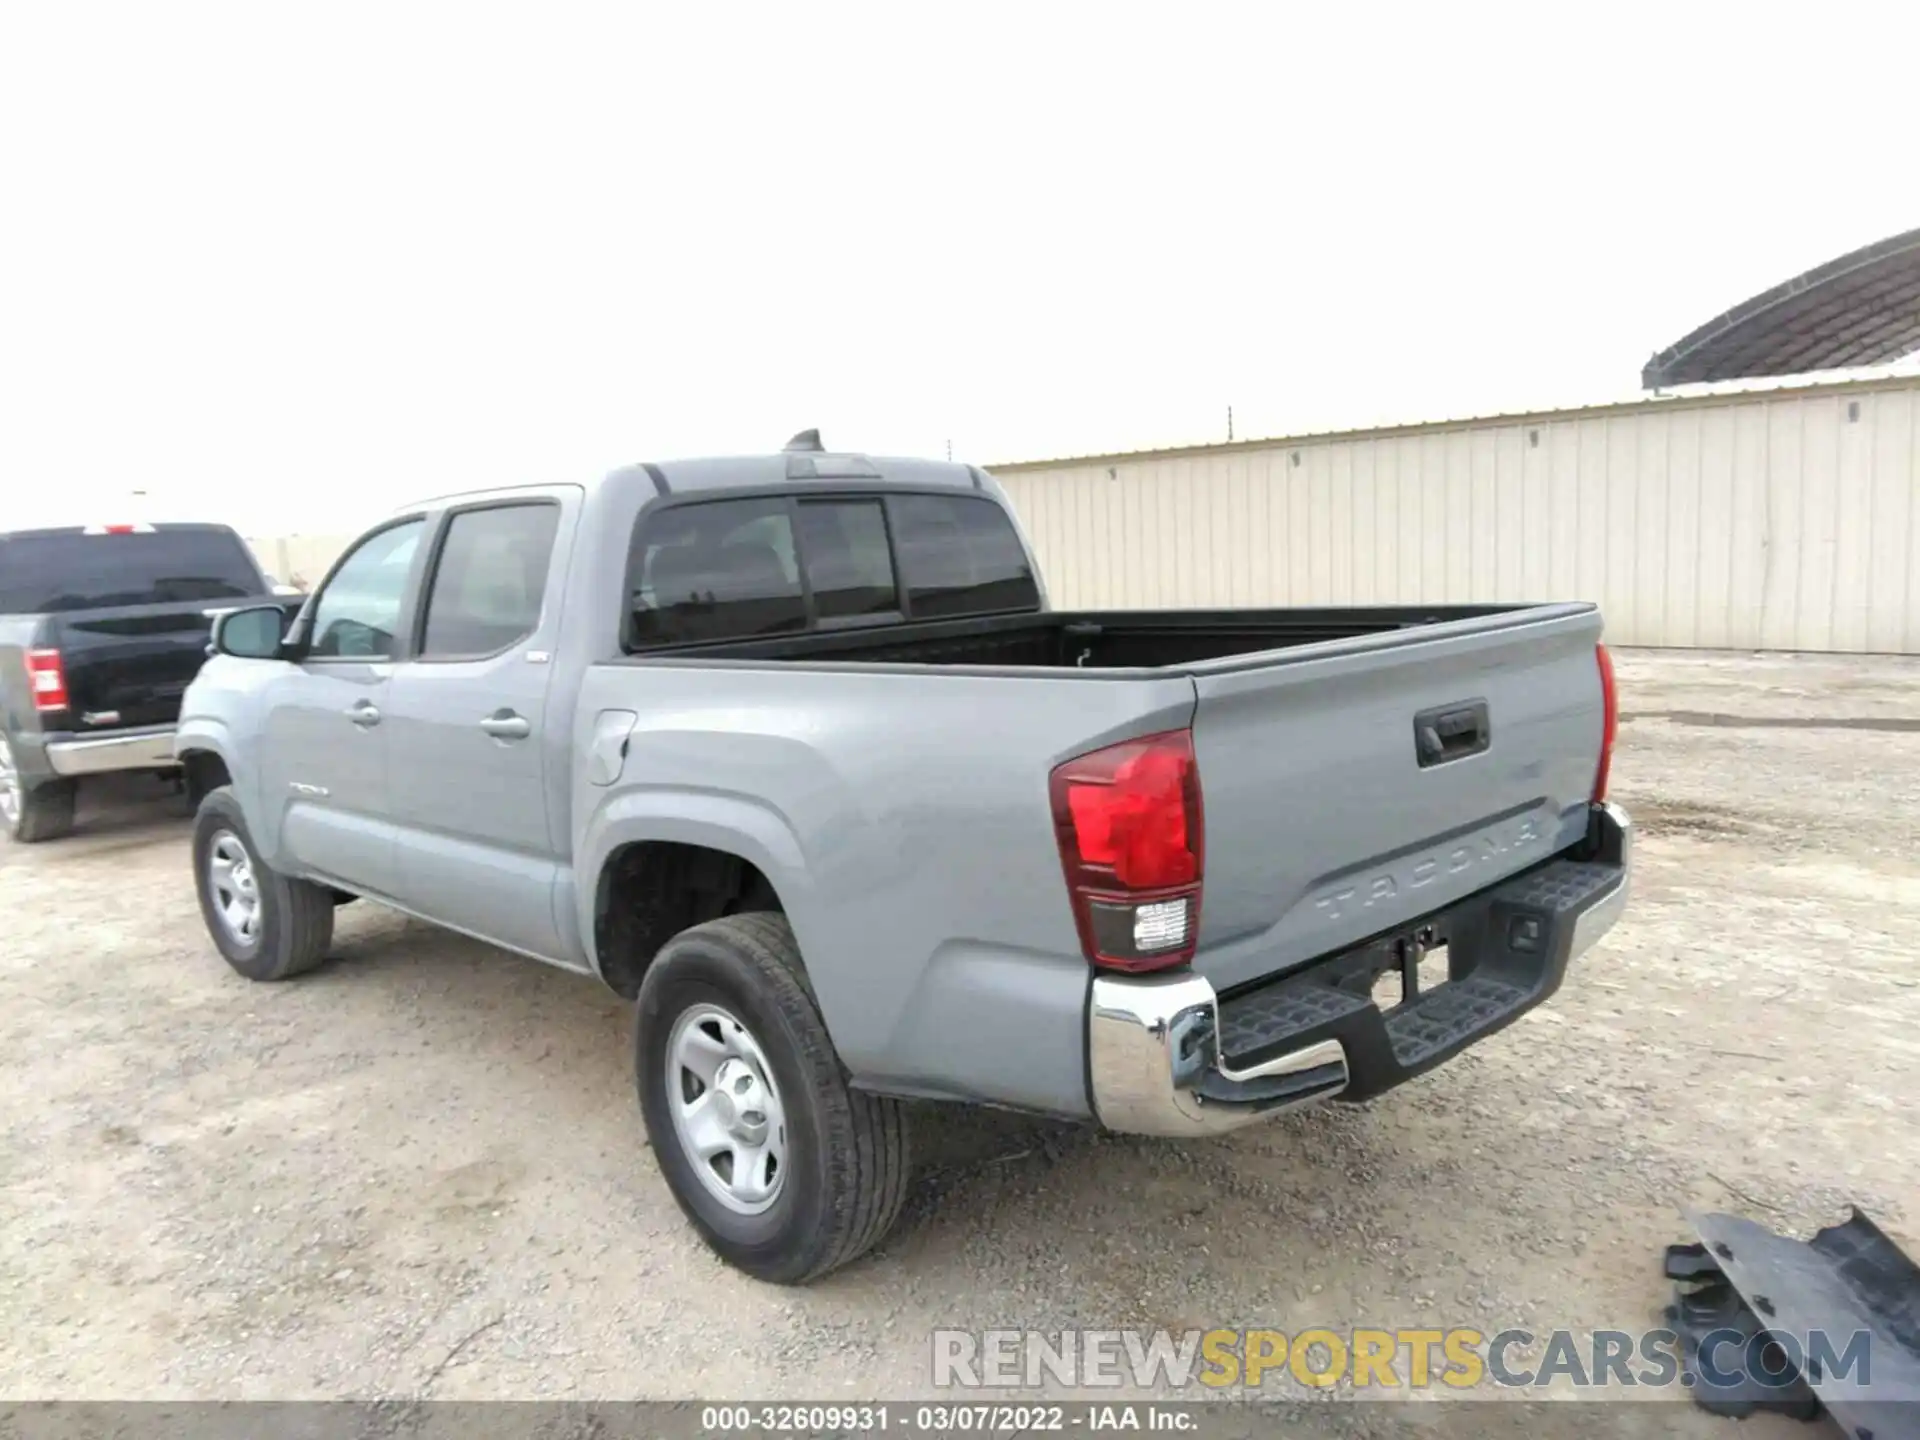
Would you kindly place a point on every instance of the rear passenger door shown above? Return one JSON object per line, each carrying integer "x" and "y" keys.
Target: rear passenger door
{"x": 475, "y": 761}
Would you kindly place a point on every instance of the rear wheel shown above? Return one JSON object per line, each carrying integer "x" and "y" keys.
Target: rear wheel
{"x": 785, "y": 1169}
{"x": 32, "y": 814}
{"x": 268, "y": 927}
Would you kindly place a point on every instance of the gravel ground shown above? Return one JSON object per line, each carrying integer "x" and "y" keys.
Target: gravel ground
{"x": 420, "y": 1170}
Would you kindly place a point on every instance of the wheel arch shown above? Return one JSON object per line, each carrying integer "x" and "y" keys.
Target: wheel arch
{"x": 200, "y": 745}
{"x": 650, "y": 890}
{"x": 663, "y": 862}
{"x": 206, "y": 770}
{"x": 210, "y": 757}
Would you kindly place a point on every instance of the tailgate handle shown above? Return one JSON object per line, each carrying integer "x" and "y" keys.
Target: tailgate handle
{"x": 1451, "y": 732}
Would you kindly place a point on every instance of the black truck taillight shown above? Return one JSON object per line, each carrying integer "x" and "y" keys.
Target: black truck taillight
{"x": 1131, "y": 833}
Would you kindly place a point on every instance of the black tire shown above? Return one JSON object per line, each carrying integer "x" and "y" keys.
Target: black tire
{"x": 847, "y": 1153}
{"x": 295, "y": 919}
{"x": 46, "y": 812}
{"x": 36, "y": 813}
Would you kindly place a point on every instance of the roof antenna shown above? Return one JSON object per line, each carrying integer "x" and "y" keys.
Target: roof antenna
{"x": 804, "y": 441}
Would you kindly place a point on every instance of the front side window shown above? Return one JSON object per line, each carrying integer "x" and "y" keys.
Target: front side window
{"x": 490, "y": 579}
{"x": 960, "y": 556}
{"x": 356, "y": 616}
{"x": 721, "y": 570}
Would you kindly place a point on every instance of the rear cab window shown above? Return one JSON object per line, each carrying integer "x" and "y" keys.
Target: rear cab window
{"x": 849, "y": 563}
{"x": 715, "y": 570}
{"x": 960, "y": 556}
{"x": 50, "y": 571}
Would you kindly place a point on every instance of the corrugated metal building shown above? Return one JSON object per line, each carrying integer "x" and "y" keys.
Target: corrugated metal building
{"x": 1780, "y": 519}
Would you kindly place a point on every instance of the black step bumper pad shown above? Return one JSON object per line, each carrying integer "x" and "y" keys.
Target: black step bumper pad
{"x": 1507, "y": 950}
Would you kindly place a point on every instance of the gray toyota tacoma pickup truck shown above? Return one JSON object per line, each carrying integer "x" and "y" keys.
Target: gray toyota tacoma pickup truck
{"x": 792, "y": 751}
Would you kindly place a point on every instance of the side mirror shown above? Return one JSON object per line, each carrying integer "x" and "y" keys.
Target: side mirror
{"x": 251, "y": 634}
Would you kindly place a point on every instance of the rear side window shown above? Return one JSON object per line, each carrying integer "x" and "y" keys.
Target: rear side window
{"x": 724, "y": 570}
{"x": 849, "y": 565}
{"x": 490, "y": 579}
{"x": 960, "y": 556}
{"x": 58, "y": 570}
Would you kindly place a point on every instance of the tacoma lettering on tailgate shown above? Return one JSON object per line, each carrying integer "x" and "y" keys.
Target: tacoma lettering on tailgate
{"x": 1413, "y": 872}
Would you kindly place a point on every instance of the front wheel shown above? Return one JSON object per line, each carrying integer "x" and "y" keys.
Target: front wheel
{"x": 267, "y": 926}
{"x": 786, "y": 1170}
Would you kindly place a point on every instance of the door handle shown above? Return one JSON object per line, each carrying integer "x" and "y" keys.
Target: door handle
{"x": 507, "y": 726}
{"x": 364, "y": 714}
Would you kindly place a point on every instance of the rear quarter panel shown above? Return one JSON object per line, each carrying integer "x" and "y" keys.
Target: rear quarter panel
{"x": 904, "y": 820}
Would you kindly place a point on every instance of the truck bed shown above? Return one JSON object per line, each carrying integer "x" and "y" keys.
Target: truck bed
{"x": 1361, "y": 768}
{"x": 1095, "y": 639}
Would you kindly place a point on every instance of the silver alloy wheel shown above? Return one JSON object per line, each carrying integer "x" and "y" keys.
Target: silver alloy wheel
{"x": 726, "y": 1108}
{"x": 236, "y": 893}
{"x": 10, "y": 792}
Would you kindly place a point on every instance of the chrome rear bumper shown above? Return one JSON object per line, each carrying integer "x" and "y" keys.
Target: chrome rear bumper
{"x": 145, "y": 749}
{"x": 1154, "y": 1051}
{"x": 1151, "y": 1046}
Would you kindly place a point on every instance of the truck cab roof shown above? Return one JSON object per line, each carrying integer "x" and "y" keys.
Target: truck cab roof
{"x": 785, "y": 468}
{"x": 800, "y": 467}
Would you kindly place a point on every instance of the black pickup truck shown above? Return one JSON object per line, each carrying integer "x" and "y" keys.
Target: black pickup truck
{"x": 101, "y": 629}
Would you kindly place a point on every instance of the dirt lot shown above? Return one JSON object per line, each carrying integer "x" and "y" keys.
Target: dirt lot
{"x": 420, "y": 1171}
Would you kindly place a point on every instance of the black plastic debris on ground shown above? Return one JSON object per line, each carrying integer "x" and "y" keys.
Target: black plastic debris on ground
{"x": 1707, "y": 1307}
{"x": 1798, "y": 1327}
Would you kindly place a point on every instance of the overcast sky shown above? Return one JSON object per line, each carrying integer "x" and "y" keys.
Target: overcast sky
{"x": 288, "y": 265}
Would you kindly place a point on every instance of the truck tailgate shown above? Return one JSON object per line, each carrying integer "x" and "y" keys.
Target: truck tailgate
{"x": 1352, "y": 787}
{"x": 130, "y": 665}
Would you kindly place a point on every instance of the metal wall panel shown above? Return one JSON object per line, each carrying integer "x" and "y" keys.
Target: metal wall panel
{"x": 1784, "y": 520}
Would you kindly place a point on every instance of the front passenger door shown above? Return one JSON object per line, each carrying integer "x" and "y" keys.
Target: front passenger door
{"x": 325, "y": 751}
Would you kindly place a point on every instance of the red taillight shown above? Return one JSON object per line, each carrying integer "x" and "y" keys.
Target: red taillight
{"x": 1129, "y": 823}
{"x": 47, "y": 678}
{"x": 1610, "y": 706}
